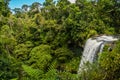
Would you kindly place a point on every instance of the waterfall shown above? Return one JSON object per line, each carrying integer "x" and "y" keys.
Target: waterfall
{"x": 93, "y": 47}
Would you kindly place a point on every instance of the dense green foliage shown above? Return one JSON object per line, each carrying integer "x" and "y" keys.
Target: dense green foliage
{"x": 45, "y": 42}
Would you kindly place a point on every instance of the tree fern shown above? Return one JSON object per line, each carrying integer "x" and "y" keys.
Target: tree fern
{"x": 35, "y": 74}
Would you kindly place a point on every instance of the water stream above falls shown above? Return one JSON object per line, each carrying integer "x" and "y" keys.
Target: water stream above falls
{"x": 93, "y": 47}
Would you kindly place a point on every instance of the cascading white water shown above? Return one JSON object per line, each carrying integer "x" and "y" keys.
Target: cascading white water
{"x": 94, "y": 46}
